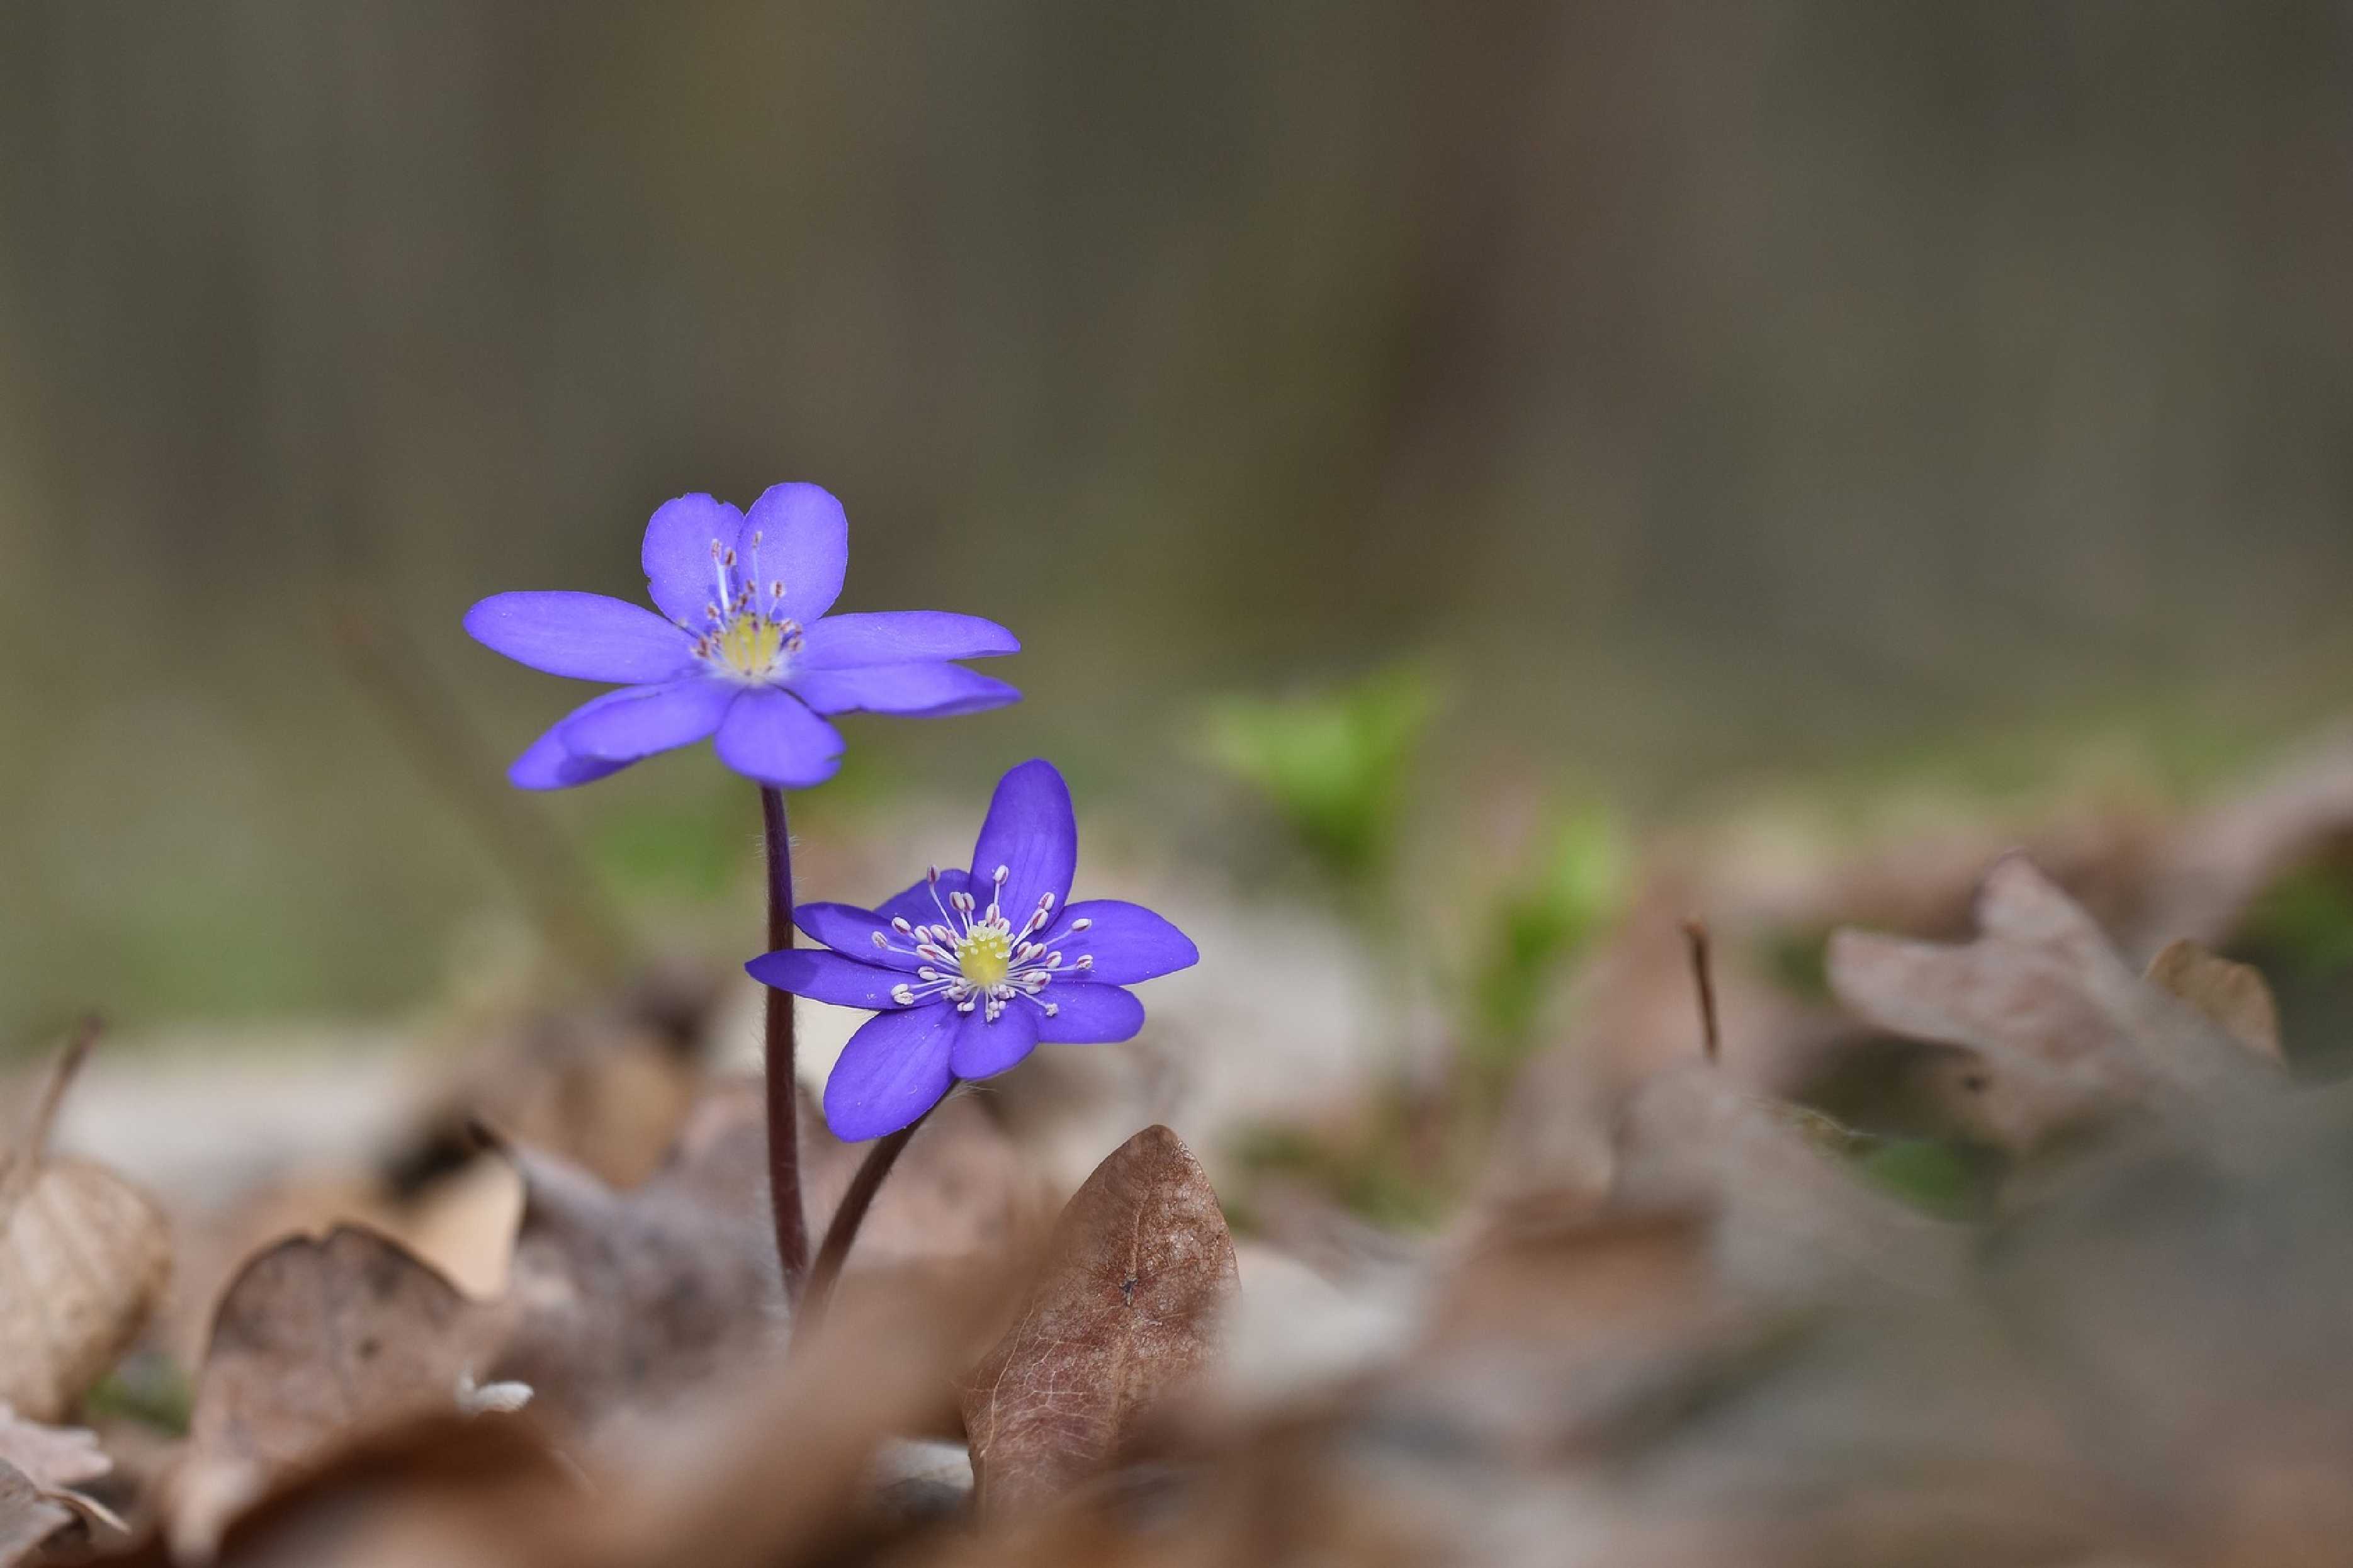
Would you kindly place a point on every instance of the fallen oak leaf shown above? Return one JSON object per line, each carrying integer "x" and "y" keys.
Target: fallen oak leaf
{"x": 2068, "y": 1032}
{"x": 1137, "y": 1271}
{"x": 84, "y": 1257}
{"x": 317, "y": 1341}
{"x": 2235, "y": 996}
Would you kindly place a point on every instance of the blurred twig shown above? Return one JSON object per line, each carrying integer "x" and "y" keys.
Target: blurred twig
{"x": 423, "y": 715}
{"x": 1703, "y": 976}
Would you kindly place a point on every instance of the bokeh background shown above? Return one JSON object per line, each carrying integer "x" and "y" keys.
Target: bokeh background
{"x": 1706, "y": 398}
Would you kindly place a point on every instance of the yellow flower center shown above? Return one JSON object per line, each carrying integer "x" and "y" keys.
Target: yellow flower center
{"x": 750, "y": 644}
{"x": 986, "y": 955}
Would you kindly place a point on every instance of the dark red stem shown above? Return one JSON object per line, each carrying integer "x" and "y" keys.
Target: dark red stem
{"x": 784, "y": 1092}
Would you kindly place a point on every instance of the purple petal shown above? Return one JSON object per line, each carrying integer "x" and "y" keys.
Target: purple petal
{"x": 679, "y": 574}
{"x": 927, "y": 691}
{"x": 917, "y": 906}
{"x": 587, "y": 636}
{"x": 1086, "y": 1015}
{"x": 900, "y": 637}
{"x": 893, "y": 1069}
{"x": 798, "y": 535}
{"x": 549, "y": 764}
{"x": 769, "y": 737}
{"x": 983, "y": 1049}
{"x": 1031, "y": 831}
{"x": 824, "y": 976}
{"x": 1129, "y": 941}
{"x": 851, "y": 931}
{"x": 648, "y": 719}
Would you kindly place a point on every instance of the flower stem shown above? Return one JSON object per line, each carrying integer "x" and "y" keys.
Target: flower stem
{"x": 835, "y": 1249}
{"x": 784, "y": 1088}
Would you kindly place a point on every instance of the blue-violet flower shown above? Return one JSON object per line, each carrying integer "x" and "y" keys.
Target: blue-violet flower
{"x": 743, "y": 650}
{"x": 968, "y": 971}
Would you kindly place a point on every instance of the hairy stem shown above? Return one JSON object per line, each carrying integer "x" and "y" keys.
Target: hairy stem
{"x": 835, "y": 1250}
{"x": 784, "y": 1091}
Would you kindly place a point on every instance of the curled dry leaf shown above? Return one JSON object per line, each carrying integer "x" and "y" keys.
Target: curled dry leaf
{"x": 2233, "y": 996}
{"x": 1136, "y": 1272}
{"x": 2067, "y": 1031}
{"x": 28, "y": 1516}
{"x": 317, "y": 1342}
{"x": 624, "y": 1301}
{"x": 84, "y": 1257}
{"x": 39, "y": 1467}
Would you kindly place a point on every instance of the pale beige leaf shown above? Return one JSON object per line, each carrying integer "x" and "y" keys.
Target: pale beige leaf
{"x": 84, "y": 1257}
{"x": 51, "y": 1457}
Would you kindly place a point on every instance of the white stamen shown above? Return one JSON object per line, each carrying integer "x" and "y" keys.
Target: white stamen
{"x": 1082, "y": 923}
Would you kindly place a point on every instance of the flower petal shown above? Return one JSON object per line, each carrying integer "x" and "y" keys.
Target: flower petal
{"x": 900, "y": 637}
{"x": 983, "y": 1049}
{"x": 1086, "y": 1015}
{"x": 676, "y": 555}
{"x": 1031, "y": 831}
{"x": 1129, "y": 941}
{"x": 928, "y": 690}
{"x": 587, "y": 636}
{"x": 648, "y": 719}
{"x": 823, "y": 975}
{"x": 769, "y": 737}
{"x": 851, "y": 931}
{"x": 798, "y": 535}
{"x": 549, "y": 764}
{"x": 893, "y": 1069}
{"x": 917, "y": 905}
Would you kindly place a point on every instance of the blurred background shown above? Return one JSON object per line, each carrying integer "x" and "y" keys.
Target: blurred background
{"x": 1655, "y": 404}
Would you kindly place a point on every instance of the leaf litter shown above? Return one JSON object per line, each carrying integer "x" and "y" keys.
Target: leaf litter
{"x": 1682, "y": 1321}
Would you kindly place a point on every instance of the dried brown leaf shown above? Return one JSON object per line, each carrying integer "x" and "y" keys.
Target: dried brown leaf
{"x": 1633, "y": 1012}
{"x": 2234, "y": 996}
{"x": 319, "y": 1340}
{"x": 963, "y": 1189}
{"x": 624, "y": 1301}
{"x": 1137, "y": 1271}
{"x": 607, "y": 1087}
{"x": 84, "y": 1257}
{"x": 2068, "y": 1032}
{"x": 1791, "y": 1220}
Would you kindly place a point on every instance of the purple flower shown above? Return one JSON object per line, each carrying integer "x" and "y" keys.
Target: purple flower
{"x": 743, "y": 650}
{"x": 968, "y": 971}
